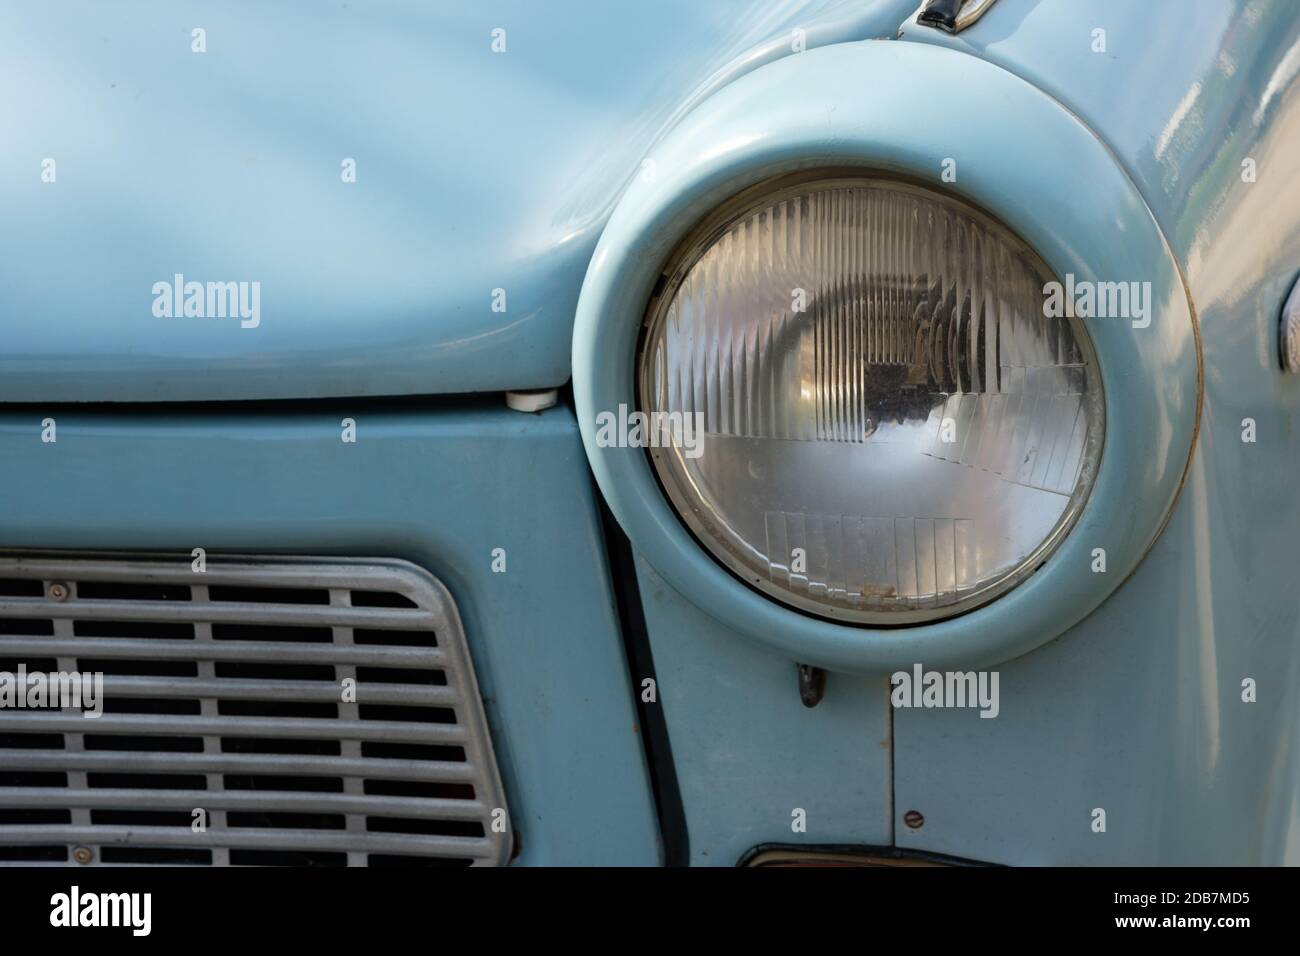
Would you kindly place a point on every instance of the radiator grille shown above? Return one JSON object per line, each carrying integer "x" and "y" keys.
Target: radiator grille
{"x": 224, "y": 692}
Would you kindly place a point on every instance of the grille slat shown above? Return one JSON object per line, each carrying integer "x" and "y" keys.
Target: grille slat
{"x": 282, "y": 764}
{"x": 404, "y": 844}
{"x": 250, "y": 651}
{"x": 224, "y": 692}
{"x": 245, "y": 573}
{"x": 285, "y": 727}
{"x": 413, "y": 694}
{"x": 124, "y": 799}
{"x": 221, "y": 612}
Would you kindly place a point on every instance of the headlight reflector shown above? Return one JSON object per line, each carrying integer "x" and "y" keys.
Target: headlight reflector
{"x": 893, "y": 431}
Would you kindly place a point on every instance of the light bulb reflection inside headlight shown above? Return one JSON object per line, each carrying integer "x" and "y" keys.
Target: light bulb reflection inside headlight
{"x": 892, "y": 429}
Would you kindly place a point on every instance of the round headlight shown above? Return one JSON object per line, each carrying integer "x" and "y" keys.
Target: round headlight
{"x": 867, "y": 413}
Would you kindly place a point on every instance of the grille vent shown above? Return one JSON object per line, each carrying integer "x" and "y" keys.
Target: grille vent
{"x": 223, "y": 691}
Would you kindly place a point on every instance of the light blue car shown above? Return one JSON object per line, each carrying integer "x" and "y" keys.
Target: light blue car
{"x": 650, "y": 433}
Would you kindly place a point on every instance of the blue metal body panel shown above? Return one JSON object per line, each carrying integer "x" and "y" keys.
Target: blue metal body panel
{"x": 749, "y": 754}
{"x": 475, "y": 171}
{"x": 439, "y": 488}
{"x": 1138, "y": 709}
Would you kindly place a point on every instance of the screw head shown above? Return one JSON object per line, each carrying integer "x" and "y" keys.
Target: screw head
{"x": 914, "y": 819}
{"x": 57, "y": 592}
{"x": 83, "y": 854}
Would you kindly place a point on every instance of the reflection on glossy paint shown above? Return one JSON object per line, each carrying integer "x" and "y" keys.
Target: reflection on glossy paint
{"x": 1175, "y": 121}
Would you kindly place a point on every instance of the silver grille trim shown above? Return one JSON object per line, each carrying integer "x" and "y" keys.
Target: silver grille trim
{"x": 223, "y": 692}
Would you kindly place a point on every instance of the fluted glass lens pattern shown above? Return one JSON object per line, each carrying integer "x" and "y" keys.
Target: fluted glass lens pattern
{"x": 865, "y": 411}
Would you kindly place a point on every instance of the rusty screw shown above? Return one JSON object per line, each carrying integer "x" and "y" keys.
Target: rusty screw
{"x": 58, "y": 592}
{"x": 914, "y": 819}
{"x": 83, "y": 854}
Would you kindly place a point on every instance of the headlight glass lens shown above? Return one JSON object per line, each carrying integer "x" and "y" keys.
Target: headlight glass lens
{"x": 892, "y": 431}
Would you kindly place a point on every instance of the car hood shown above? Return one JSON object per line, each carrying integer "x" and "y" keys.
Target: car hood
{"x": 157, "y": 145}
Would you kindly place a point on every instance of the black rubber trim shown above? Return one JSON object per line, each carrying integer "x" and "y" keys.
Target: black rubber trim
{"x": 654, "y": 728}
{"x": 863, "y": 849}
